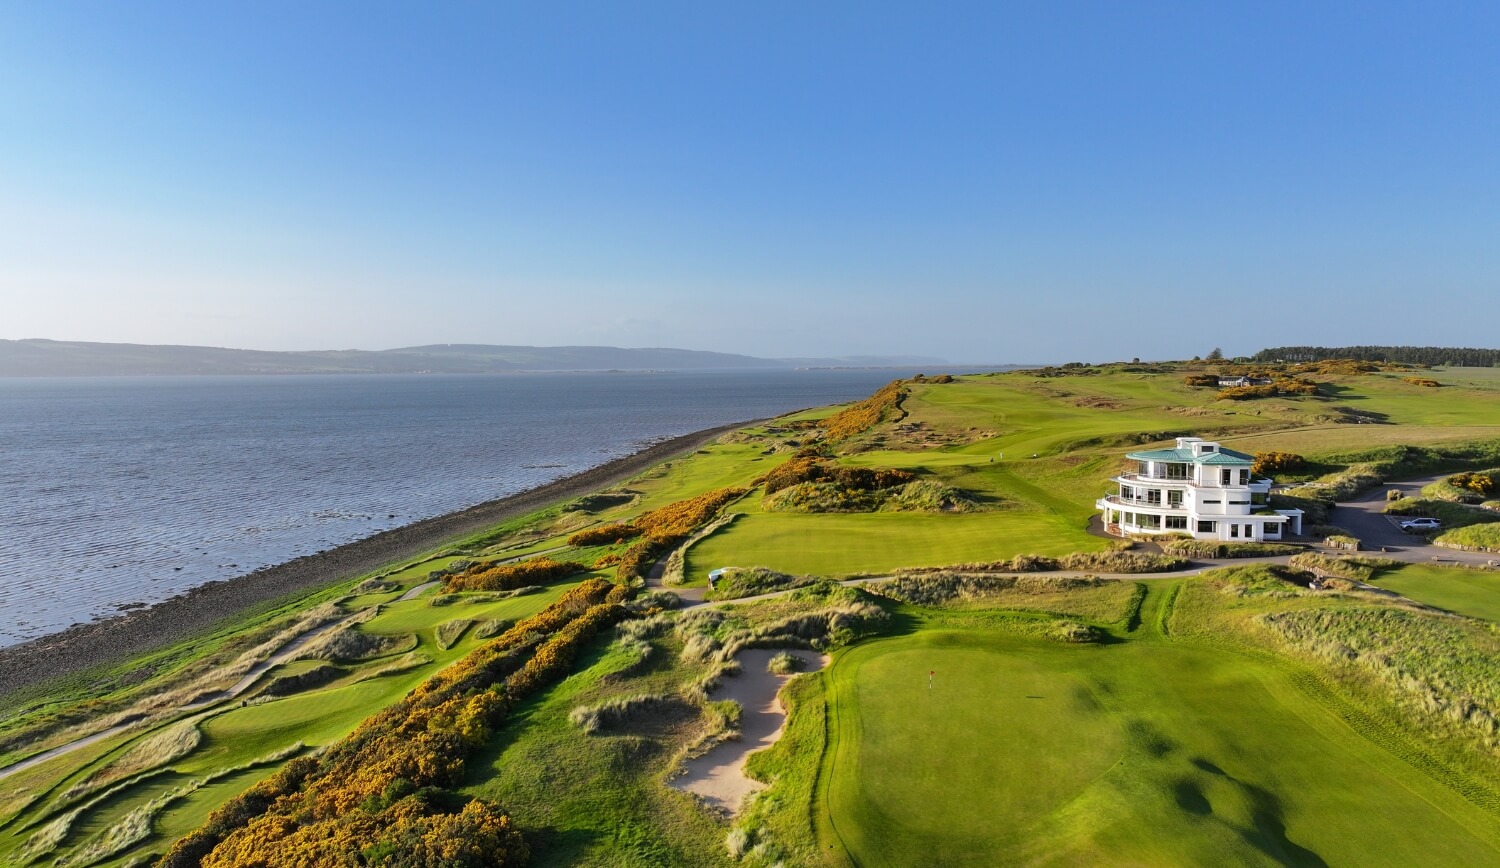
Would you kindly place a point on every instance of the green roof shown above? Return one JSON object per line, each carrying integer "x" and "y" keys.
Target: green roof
{"x": 1186, "y": 456}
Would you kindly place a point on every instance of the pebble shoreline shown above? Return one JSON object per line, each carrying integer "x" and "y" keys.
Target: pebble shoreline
{"x": 85, "y": 646}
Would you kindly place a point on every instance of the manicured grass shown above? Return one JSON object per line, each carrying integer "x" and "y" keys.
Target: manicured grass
{"x": 1475, "y": 593}
{"x": 1140, "y": 752}
{"x": 843, "y": 544}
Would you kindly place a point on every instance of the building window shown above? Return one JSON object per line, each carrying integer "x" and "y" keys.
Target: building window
{"x": 1176, "y": 522}
{"x": 1174, "y": 499}
{"x": 1206, "y": 502}
{"x": 1127, "y": 493}
{"x": 1224, "y": 476}
{"x": 1273, "y": 529}
{"x": 1239, "y": 503}
{"x": 1177, "y": 471}
{"x": 1153, "y": 496}
{"x": 1244, "y": 477}
{"x": 1207, "y": 526}
{"x": 1150, "y": 521}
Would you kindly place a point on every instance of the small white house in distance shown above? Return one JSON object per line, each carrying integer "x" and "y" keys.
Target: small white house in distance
{"x": 1200, "y": 489}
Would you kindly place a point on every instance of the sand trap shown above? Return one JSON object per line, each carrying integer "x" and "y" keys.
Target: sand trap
{"x": 719, "y": 775}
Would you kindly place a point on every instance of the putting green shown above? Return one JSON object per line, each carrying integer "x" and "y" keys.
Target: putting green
{"x": 1143, "y": 752}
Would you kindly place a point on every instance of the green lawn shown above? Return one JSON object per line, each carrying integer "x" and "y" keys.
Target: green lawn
{"x": 1475, "y": 593}
{"x": 840, "y": 543}
{"x": 1144, "y": 752}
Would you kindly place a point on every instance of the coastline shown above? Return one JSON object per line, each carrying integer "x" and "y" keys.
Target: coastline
{"x": 84, "y": 646}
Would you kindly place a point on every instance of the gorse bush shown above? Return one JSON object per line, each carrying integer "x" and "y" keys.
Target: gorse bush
{"x": 386, "y": 791}
{"x": 883, "y": 406}
{"x": 507, "y": 577}
{"x": 813, "y": 469}
{"x": 685, "y": 516}
{"x": 1268, "y": 463}
{"x": 1422, "y": 381}
{"x": 608, "y": 534}
{"x": 1482, "y": 484}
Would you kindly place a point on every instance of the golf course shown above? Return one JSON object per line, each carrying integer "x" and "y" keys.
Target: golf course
{"x": 1005, "y": 684}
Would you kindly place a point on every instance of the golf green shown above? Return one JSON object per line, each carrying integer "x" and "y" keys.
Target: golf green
{"x": 1139, "y": 752}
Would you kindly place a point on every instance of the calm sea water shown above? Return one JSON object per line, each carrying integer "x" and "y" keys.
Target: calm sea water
{"x": 131, "y": 490}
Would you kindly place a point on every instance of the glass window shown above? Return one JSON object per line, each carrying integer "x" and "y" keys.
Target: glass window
{"x": 1177, "y": 522}
{"x": 1234, "y": 531}
{"x": 1207, "y": 526}
{"x": 1244, "y": 477}
{"x": 1224, "y": 476}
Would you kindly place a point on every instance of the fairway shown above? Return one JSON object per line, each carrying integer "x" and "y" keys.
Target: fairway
{"x": 839, "y": 544}
{"x": 1475, "y": 593}
{"x": 1141, "y": 752}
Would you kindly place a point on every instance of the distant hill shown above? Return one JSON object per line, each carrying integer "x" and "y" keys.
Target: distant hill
{"x": 44, "y": 358}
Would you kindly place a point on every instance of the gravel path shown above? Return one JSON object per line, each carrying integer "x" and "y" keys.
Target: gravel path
{"x": 86, "y": 646}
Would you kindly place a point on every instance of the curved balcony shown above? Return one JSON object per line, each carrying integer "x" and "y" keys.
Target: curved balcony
{"x": 1142, "y": 479}
{"x": 1117, "y": 502}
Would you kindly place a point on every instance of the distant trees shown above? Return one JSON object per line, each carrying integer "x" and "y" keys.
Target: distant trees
{"x": 1215, "y": 355}
{"x": 1461, "y": 357}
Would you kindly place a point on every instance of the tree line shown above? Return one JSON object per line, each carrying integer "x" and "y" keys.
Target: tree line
{"x": 1456, "y": 357}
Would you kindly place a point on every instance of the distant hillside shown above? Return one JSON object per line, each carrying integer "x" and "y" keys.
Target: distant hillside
{"x": 1459, "y": 357}
{"x": 44, "y": 358}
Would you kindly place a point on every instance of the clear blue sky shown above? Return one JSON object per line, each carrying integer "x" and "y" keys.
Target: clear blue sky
{"x": 985, "y": 182}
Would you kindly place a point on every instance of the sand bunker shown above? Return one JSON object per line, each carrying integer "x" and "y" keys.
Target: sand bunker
{"x": 719, "y": 775}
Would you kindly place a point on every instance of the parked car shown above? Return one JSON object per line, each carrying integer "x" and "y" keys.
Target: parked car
{"x": 1415, "y": 525}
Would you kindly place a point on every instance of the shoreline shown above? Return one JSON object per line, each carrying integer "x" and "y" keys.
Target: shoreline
{"x": 85, "y": 646}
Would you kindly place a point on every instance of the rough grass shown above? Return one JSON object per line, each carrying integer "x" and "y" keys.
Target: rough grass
{"x": 449, "y": 632}
{"x": 1476, "y": 537}
{"x": 1356, "y": 567}
{"x": 1207, "y": 548}
{"x": 738, "y": 582}
{"x": 153, "y": 751}
{"x": 1103, "y": 600}
{"x": 1443, "y": 670}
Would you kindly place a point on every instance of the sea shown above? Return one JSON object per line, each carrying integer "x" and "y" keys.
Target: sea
{"x": 122, "y": 492}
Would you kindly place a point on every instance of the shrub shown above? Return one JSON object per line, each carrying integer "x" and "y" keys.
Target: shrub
{"x": 1072, "y": 632}
{"x": 805, "y": 469}
{"x": 608, "y": 534}
{"x": 1482, "y": 484}
{"x": 1269, "y": 463}
{"x": 685, "y": 516}
{"x": 1200, "y": 380}
{"x": 884, "y": 405}
{"x": 1208, "y": 548}
{"x": 783, "y": 663}
{"x": 1422, "y": 381}
{"x": 506, "y": 577}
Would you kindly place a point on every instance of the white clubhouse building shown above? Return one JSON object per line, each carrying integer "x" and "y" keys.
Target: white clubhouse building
{"x": 1200, "y": 489}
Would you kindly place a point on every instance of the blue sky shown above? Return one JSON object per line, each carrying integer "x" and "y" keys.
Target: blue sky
{"x": 986, "y": 182}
